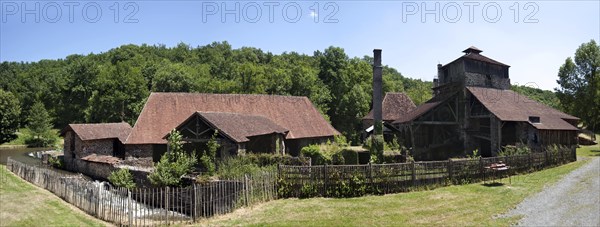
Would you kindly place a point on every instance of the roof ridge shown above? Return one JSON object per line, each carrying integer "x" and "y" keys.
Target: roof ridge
{"x": 227, "y": 94}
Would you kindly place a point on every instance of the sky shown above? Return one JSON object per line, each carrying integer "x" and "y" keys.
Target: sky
{"x": 534, "y": 38}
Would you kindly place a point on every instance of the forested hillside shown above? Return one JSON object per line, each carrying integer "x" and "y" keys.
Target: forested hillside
{"x": 112, "y": 86}
{"x": 546, "y": 97}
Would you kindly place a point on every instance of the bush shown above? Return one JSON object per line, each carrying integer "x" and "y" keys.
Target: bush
{"x": 56, "y": 162}
{"x": 350, "y": 156}
{"x": 209, "y": 156}
{"x": 122, "y": 178}
{"x": 314, "y": 153}
{"x": 519, "y": 149}
{"x": 174, "y": 164}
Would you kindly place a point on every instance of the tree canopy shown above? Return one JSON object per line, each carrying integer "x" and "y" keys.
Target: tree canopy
{"x": 113, "y": 86}
{"x": 9, "y": 116}
{"x": 579, "y": 81}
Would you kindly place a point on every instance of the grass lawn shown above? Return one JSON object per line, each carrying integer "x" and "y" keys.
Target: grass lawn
{"x": 590, "y": 151}
{"x": 22, "y": 135}
{"x": 22, "y": 204}
{"x": 470, "y": 205}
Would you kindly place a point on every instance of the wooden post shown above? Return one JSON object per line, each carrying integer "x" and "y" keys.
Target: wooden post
{"x": 370, "y": 174}
{"x": 414, "y": 173}
{"x": 450, "y": 173}
{"x": 325, "y": 180}
{"x": 246, "y": 188}
{"x": 129, "y": 207}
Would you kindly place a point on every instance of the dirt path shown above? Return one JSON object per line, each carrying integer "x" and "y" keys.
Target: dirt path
{"x": 573, "y": 201}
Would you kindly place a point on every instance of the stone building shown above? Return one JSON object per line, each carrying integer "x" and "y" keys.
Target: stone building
{"x": 93, "y": 149}
{"x": 292, "y": 119}
{"x": 473, "y": 108}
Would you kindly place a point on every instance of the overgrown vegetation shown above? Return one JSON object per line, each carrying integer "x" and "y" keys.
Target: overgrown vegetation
{"x": 519, "y": 149}
{"x": 122, "y": 178}
{"x": 174, "y": 164}
{"x": 56, "y": 162}
{"x": 209, "y": 156}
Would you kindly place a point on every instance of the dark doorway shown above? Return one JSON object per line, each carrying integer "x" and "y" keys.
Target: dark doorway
{"x": 485, "y": 148}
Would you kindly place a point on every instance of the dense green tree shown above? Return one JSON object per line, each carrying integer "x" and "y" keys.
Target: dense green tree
{"x": 579, "y": 81}
{"x": 545, "y": 97}
{"x": 10, "y": 111}
{"x": 174, "y": 164}
{"x": 40, "y": 127}
{"x": 118, "y": 93}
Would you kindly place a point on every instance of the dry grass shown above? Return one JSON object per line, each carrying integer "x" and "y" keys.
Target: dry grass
{"x": 23, "y": 204}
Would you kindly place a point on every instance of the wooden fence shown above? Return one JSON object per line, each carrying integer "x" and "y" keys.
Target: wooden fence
{"x": 356, "y": 180}
{"x": 151, "y": 206}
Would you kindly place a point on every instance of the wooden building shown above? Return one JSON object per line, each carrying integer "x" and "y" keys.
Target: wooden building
{"x": 237, "y": 133}
{"x": 394, "y": 106}
{"x": 473, "y": 108}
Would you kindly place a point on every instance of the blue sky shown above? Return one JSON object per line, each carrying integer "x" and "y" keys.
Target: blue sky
{"x": 534, "y": 38}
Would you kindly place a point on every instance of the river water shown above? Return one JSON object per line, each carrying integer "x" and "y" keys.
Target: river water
{"x": 20, "y": 154}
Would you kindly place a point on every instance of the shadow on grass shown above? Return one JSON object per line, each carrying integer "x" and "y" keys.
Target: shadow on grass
{"x": 493, "y": 184}
{"x": 595, "y": 152}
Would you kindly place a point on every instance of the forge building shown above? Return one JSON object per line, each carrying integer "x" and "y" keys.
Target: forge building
{"x": 474, "y": 108}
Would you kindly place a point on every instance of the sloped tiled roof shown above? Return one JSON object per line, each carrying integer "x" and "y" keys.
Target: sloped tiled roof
{"x": 420, "y": 110}
{"x": 394, "y": 106}
{"x": 508, "y": 105}
{"x": 99, "y": 131}
{"x": 165, "y": 111}
{"x": 101, "y": 159}
{"x": 238, "y": 127}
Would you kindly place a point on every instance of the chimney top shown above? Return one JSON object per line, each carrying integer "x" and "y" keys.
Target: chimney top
{"x": 472, "y": 49}
{"x": 377, "y": 57}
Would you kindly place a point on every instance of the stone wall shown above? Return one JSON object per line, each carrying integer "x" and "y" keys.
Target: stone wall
{"x": 95, "y": 170}
{"x": 139, "y": 155}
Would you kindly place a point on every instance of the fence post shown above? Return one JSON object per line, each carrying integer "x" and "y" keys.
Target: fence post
{"x": 129, "y": 207}
{"x": 194, "y": 203}
{"x": 325, "y": 180}
{"x": 246, "y": 188}
{"x": 450, "y": 171}
{"x": 481, "y": 169}
{"x": 414, "y": 173}
{"x": 370, "y": 174}
{"x": 547, "y": 163}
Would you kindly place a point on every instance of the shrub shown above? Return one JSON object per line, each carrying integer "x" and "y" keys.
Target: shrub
{"x": 56, "y": 162}
{"x": 209, "y": 156}
{"x": 519, "y": 149}
{"x": 350, "y": 156}
{"x": 122, "y": 178}
{"x": 174, "y": 164}
{"x": 314, "y": 153}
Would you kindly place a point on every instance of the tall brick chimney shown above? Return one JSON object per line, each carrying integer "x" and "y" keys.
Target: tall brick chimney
{"x": 377, "y": 92}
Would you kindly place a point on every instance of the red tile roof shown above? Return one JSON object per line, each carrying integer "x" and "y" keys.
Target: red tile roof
{"x": 238, "y": 127}
{"x": 165, "y": 111}
{"x": 508, "y": 105}
{"x": 394, "y": 106}
{"x": 99, "y": 131}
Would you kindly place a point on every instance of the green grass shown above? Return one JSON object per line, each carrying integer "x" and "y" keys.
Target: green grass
{"x": 470, "y": 205}
{"x": 22, "y": 204}
{"x": 590, "y": 151}
{"x": 22, "y": 135}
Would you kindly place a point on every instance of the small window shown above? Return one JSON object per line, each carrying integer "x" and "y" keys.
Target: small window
{"x": 534, "y": 119}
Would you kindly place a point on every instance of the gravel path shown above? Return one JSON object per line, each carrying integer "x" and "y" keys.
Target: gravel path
{"x": 573, "y": 201}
